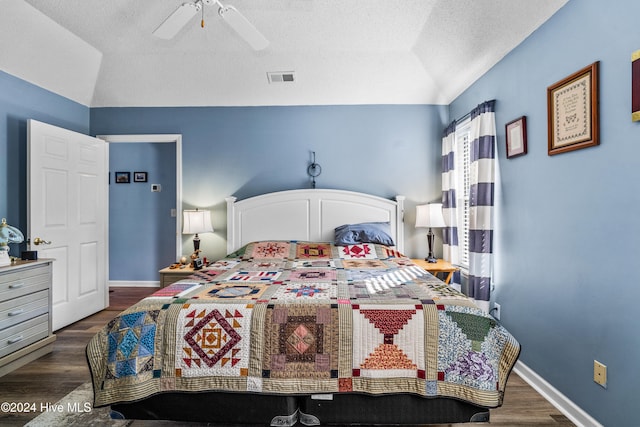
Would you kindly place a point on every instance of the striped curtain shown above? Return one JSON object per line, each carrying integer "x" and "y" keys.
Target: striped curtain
{"x": 450, "y": 232}
{"x": 482, "y": 179}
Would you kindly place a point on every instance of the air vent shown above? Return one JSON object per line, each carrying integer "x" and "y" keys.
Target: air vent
{"x": 281, "y": 76}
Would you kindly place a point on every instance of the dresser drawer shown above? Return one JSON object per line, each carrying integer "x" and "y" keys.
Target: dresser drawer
{"x": 23, "y": 308}
{"x": 24, "y": 281}
{"x": 23, "y": 334}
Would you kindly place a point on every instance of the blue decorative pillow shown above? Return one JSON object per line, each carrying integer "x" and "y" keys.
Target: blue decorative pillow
{"x": 366, "y": 232}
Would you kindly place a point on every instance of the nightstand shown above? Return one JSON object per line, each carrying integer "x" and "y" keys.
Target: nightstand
{"x": 441, "y": 266}
{"x": 171, "y": 275}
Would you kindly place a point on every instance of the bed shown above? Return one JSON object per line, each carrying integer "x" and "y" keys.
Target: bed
{"x": 316, "y": 317}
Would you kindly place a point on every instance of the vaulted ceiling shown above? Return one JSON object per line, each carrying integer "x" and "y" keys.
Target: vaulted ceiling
{"x": 103, "y": 53}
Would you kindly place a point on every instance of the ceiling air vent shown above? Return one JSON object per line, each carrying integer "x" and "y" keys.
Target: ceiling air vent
{"x": 281, "y": 76}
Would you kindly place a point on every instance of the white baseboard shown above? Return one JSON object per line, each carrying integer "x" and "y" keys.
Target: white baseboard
{"x": 572, "y": 411}
{"x": 135, "y": 284}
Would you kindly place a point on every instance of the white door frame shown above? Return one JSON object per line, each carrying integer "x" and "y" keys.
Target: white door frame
{"x": 162, "y": 138}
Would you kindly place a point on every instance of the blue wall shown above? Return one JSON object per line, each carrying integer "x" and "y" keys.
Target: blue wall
{"x": 20, "y": 101}
{"x": 245, "y": 151}
{"x": 567, "y": 239}
{"x": 141, "y": 228}
{"x": 567, "y": 232}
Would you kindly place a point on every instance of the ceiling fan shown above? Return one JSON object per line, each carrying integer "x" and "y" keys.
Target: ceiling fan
{"x": 185, "y": 12}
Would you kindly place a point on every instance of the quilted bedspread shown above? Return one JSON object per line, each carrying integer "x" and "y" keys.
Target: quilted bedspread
{"x": 290, "y": 317}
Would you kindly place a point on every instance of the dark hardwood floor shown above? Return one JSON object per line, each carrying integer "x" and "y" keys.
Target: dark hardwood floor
{"x": 53, "y": 376}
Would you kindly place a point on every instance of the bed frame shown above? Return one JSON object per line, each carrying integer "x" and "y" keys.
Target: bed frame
{"x": 306, "y": 215}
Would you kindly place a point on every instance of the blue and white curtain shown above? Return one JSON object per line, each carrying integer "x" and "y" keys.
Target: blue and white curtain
{"x": 481, "y": 197}
{"x": 450, "y": 232}
{"x": 481, "y": 200}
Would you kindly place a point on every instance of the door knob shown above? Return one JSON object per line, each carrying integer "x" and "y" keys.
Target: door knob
{"x": 39, "y": 241}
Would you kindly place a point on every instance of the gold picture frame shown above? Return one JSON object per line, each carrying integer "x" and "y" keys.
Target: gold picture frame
{"x": 635, "y": 86}
{"x": 572, "y": 111}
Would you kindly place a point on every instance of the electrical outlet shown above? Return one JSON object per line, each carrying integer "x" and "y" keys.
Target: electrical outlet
{"x": 600, "y": 373}
{"x": 496, "y": 310}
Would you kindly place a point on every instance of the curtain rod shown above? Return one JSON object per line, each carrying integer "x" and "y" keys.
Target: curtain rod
{"x": 463, "y": 118}
{"x": 466, "y": 116}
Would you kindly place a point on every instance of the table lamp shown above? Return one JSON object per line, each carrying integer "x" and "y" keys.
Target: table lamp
{"x": 194, "y": 222}
{"x": 430, "y": 215}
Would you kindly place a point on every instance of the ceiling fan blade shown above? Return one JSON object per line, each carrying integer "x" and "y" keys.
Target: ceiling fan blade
{"x": 243, "y": 27}
{"x": 177, "y": 20}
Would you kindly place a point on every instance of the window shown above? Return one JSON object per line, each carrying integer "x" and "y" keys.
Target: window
{"x": 462, "y": 167}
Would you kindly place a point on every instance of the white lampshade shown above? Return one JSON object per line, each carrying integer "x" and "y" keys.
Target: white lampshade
{"x": 430, "y": 215}
{"x": 197, "y": 221}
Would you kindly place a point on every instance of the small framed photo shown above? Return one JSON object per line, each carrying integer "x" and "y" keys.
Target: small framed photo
{"x": 516, "y": 133}
{"x": 139, "y": 177}
{"x": 572, "y": 110}
{"x": 123, "y": 177}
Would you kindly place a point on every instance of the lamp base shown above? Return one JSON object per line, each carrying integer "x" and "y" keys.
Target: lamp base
{"x": 430, "y": 238}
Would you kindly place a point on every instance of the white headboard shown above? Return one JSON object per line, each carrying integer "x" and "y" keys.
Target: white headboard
{"x": 308, "y": 215}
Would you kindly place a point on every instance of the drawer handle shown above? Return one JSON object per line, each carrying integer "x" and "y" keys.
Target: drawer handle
{"x": 15, "y": 340}
{"x": 16, "y": 285}
{"x": 16, "y": 312}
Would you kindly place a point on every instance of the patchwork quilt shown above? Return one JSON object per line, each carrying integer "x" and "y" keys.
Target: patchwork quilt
{"x": 291, "y": 317}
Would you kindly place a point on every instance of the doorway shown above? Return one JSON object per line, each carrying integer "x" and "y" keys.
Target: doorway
{"x": 145, "y": 198}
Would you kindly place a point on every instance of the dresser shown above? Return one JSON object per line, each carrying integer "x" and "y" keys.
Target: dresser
{"x": 25, "y": 313}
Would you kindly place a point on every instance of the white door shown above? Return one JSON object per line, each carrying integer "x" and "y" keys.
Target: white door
{"x": 67, "y": 205}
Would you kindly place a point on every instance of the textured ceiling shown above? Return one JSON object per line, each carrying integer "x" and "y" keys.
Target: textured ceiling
{"x": 103, "y": 53}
